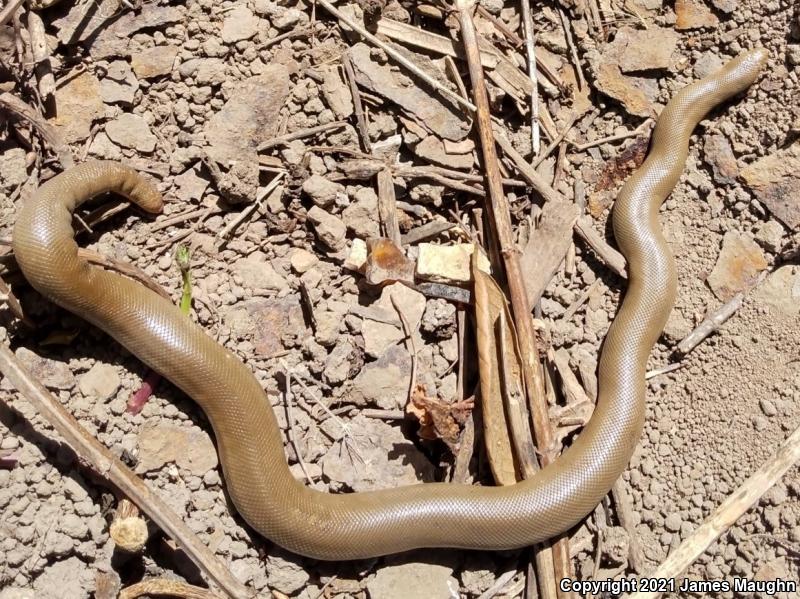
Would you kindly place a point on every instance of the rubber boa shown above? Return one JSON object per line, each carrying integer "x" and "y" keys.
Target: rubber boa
{"x": 368, "y": 524}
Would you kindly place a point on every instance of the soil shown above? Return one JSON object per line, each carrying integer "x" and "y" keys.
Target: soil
{"x": 178, "y": 90}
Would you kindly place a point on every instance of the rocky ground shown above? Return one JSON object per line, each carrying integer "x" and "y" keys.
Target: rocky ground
{"x": 203, "y": 96}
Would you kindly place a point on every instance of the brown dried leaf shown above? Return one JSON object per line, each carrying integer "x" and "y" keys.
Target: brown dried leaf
{"x": 490, "y": 303}
{"x": 439, "y": 419}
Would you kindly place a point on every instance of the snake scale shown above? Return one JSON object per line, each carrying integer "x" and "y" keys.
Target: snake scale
{"x": 360, "y": 525}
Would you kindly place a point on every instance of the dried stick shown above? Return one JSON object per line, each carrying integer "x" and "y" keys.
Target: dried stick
{"x": 624, "y": 512}
{"x": 611, "y": 257}
{"x": 111, "y": 469}
{"x": 396, "y": 55}
{"x": 497, "y": 206}
{"x": 728, "y": 512}
{"x": 711, "y": 323}
{"x": 572, "y": 50}
{"x": 387, "y": 207}
{"x": 527, "y": 21}
{"x": 41, "y": 56}
{"x": 8, "y": 10}
{"x": 164, "y": 587}
{"x": 358, "y": 107}
{"x": 21, "y": 110}
{"x": 310, "y": 132}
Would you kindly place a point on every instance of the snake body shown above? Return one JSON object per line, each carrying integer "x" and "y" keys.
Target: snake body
{"x": 368, "y": 524}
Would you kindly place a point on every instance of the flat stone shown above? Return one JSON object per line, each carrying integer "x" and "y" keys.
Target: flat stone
{"x": 114, "y": 39}
{"x": 154, "y": 62}
{"x": 726, "y": 6}
{"x": 775, "y": 180}
{"x": 329, "y": 228}
{"x": 83, "y": 20}
{"x": 51, "y": 373}
{"x": 395, "y": 85}
{"x": 79, "y": 104}
{"x": 132, "y": 131}
{"x": 323, "y": 192}
{"x": 103, "y": 147}
{"x": 357, "y": 256}
{"x": 693, "y": 14}
{"x": 336, "y": 93}
{"x": 239, "y": 24}
{"x": 707, "y": 64}
{"x": 266, "y": 321}
{"x": 189, "y": 448}
{"x": 740, "y": 262}
{"x": 191, "y": 186}
{"x": 719, "y": 154}
{"x": 286, "y": 571}
{"x": 361, "y": 216}
{"x": 384, "y": 382}
{"x": 337, "y": 366}
{"x": 377, "y": 441}
{"x": 101, "y": 381}
{"x": 249, "y": 117}
{"x": 257, "y": 272}
{"x": 643, "y": 49}
{"x": 120, "y": 85}
{"x": 413, "y": 581}
{"x": 770, "y": 236}
{"x": 432, "y": 149}
{"x": 303, "y": 260}
{"x": 610, "y": 80}
{"x": 781, "y": 290}
{"x": 13, "y": 167}
{"x": 448, "y": 263}
{"x": 66, "y": 578}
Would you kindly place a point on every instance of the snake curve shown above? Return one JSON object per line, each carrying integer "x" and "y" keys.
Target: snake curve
{"x": 369, "y": 524}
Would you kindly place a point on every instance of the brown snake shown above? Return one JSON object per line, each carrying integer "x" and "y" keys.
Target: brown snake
{"x": 359, "y": 525}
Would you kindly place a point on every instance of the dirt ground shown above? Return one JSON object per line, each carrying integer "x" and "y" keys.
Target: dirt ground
{"x": 194, "y": 93}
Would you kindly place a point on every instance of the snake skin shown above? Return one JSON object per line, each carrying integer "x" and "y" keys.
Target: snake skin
{"x": 361, "y": 525}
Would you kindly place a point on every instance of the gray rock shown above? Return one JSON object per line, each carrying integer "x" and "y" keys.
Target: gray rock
{"x": 286, "y": 572}
{"x": 707, "y": 64}
{"x": 13, "y": 167}
{"x": 119, "y": 85}
{"x": 770, "y": 236}
{"x": 384, "y": 383}
{"x": 361, "y": 217}
{"x": 413, "y": 581}
{"x": 100, "y": 382}
{"x": 65, "y": 578}
{"x": 329, "y": 228}
{"x": 132, "y": 131}
{"x": 52, "y": 374}
{"x": 323, "y": 193}
{"x": 249, "y": 117}
{"x": 239, "y": 24}
{"x": 256, "y": 272}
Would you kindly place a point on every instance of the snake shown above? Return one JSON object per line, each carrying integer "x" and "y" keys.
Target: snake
{"x": 344, "y": 526}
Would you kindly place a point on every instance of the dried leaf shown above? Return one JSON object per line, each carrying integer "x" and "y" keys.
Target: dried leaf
{"x": 439, "y": 419}
{"x": 490, "y": 303}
